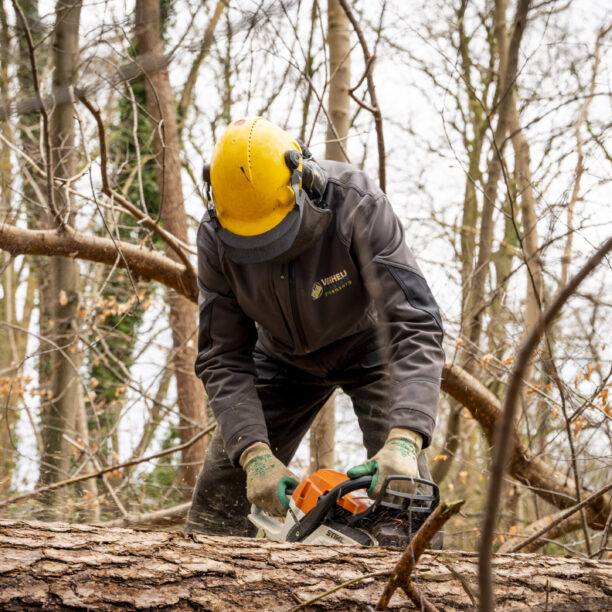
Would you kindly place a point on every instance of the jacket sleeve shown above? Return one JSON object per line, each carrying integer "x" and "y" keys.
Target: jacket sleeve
{"x": 225, "y": 346}
{"x": 410, "y": 322}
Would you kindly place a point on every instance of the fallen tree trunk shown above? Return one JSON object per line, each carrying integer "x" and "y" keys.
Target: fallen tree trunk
{"x": 58, "y": 566}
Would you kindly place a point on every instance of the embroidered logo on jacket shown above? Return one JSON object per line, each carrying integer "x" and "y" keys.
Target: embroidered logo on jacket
{"x": 330, "y": 284}
{"x": 317, "y": 291}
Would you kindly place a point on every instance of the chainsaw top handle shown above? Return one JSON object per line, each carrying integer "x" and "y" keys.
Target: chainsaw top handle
{"x": 404, "y": 504}
{"x": 415, "y": 505}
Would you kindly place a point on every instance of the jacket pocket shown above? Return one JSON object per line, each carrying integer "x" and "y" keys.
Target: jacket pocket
{"x": 267, "y": 369}
{"x": 373, "y": 358}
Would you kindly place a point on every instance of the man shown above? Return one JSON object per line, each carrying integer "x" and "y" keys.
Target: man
{"x": 306, "y": 285}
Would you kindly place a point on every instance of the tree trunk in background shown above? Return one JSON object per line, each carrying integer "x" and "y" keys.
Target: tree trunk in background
{"x": 63, "y": 567}
{"x": 309, "y": 71}
{"x": 323, "y": 429}
{"x": 183, "y": 313}
{"x": 66, "y": 402}
{"x": 529, "y": 218}
{"x": 339, "y": 41}
{"x": 37, "y": 271}
{"x": 322, "y": 434}
{"x": 443, "y": 463}
{"x": 38, "y": 216}
{"x": 506, "y": 76}
{"x": 8, "y": 357}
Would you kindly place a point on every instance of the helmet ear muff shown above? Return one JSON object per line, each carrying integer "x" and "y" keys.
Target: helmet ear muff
{"x": 206, "y": 173}
{"x": 313, "y": 177}
{"x": 208, "y": 192}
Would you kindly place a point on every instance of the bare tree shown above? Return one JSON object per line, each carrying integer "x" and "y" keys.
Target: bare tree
{"x": 183, "y": 314}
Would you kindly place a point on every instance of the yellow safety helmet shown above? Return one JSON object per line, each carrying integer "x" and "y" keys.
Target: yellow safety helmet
{"x": 256, "y": 174}
{"x": 251, "y": 182}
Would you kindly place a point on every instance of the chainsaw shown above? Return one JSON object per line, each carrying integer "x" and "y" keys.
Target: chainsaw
{"x": 329, "y": 508}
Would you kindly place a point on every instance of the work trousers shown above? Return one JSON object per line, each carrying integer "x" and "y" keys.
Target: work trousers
{"x": 291, "y": 398}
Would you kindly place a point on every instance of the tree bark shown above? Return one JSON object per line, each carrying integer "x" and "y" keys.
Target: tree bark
{"x": 533, "y": 306}
{"x": 59, "y": 566}
{"x": 183, "y": 313}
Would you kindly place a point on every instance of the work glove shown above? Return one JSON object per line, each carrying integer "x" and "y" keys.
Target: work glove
{"x": 267, "y": 479}
{"x": 398, "y": 456}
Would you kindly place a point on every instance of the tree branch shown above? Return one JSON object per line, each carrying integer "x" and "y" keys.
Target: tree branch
{"x": 159, "y": 518}
{"x": 71, "y": 243}
{"x": 560, "y": 517}
{"x": 404, "y": 567}
{"x": 207, "y": 42}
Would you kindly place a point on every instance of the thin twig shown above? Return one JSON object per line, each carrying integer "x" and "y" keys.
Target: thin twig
{"x": 45, "y": 116}
{"x": 91, "y": 457}
{"x": 143, "y": 218}
{"x": 404, "y": 567}
{"x": 110, "y": 468}
{"x": 418, "y": 599}
{"x": 604, "y": 537}
{"x": 304, "y": 604}
{"x": 570, "y": 439}
{"x": 462, "y": 579}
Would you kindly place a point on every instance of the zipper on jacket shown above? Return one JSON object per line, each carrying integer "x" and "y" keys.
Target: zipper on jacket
{"x": 294, "y": 308}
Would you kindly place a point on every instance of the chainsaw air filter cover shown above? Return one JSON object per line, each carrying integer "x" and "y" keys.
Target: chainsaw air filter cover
{"x": 320, "y": 483}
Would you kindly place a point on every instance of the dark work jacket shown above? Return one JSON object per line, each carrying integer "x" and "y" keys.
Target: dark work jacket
{"x": 358, "y": 277}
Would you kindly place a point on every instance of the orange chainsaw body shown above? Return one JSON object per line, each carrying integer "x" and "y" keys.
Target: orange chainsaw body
{"x": 321, "y": 482}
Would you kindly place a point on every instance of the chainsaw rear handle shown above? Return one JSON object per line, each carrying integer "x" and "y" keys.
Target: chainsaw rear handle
{"x": 326, "y": 502}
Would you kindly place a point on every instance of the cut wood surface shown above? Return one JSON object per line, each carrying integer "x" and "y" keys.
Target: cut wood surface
{"x": 57, "y": 566}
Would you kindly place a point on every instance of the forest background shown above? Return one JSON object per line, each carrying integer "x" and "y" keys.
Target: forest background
{"x": 487, "y": 123}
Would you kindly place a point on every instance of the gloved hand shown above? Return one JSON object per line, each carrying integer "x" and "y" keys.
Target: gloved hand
{"x": 267, "y": 479}
{"x": 398, "y": 456}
